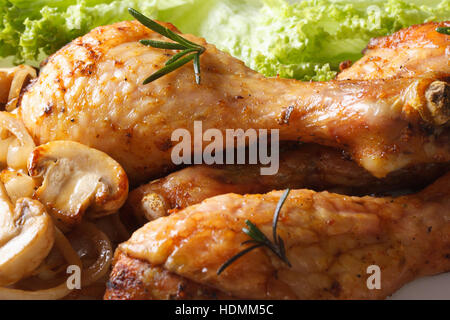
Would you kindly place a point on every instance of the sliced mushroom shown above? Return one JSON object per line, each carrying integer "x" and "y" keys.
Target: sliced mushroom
{"x": 26, "y": 237}
{"x": 17, "y": 184}
{"x": 16, "y": 143}
{"x": 12, "y": 80}
{"x": 76, "y": 179}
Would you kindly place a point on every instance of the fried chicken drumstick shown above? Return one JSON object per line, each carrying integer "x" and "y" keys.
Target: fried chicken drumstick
{"x": 307, "y": 166}
{"x": 311, "y": 166}
{"x": 91, "y": 91}
{"x": 330, "y": 241}
{"x": 410, "y": 52}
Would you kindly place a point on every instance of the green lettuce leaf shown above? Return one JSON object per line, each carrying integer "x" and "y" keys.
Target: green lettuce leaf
{"x": 305, "y": 40}
{"x": 32, "y": 29}
{"x": 308, "y": 40}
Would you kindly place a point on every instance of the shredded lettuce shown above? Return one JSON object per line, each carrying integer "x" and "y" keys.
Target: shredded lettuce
{"x": 305, "y": 40}
{"x": 308, "y": 40}
{"x": 29, "y": 29}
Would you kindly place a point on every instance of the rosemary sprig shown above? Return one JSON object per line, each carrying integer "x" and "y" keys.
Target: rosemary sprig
{"x": 444, "y": 30}
{"x": 259, "y": 239}
{"x": 190, "y": 50}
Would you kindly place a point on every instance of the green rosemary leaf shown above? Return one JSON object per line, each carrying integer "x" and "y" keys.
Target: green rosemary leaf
{"x": 181, "y": 43}
{"x": 277, "y": 213}
{"x": 197, "y": 68}
{"x": 249, "y": 241}
{"x": 444, "y": 30}
{"x": 163, "y": 45}
{"x": 149, "y": 23}
{"x": 180, "y": 55}
{"x": 260, "y": 240}
{"x": 237, "y": 256}
{"x": 254, "y": 232}
{"x": 282, "y": 254}
{"x": 176, "y": 37}
{"x": 167, "y": 69}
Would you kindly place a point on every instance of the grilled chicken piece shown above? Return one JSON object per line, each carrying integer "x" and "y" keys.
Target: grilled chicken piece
{"x": 134, "y": 279}
{"x": 410, "y": 52}
{"x": 91, "y": 91}
{"x": 330, "y": 240}
{"x": 308, "y": 166}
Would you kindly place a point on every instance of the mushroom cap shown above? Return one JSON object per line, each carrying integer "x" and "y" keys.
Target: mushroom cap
{"x": 77, "y": 179}
{"x": 26, "y": 238}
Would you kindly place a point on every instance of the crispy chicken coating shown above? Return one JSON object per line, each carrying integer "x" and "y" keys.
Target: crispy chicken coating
{"x": 91, "y": 91}
{"x": 331, "y": 241}
{"x": 308, "y": 166}
{"x": 410, "y": 52}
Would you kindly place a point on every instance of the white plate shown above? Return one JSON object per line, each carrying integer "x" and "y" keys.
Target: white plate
{"x": 428, "y": 288}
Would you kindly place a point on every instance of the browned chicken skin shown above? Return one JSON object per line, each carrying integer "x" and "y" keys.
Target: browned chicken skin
{"x": 333, "y": 238}
{"x": 330, "y": 240}
{"x": 417, "y": 50}
{"x": 312, "y": 167}
{"x": 91, "y": 91}
{"x": 134, "y": 279}
{"x": 308, "y": 166}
